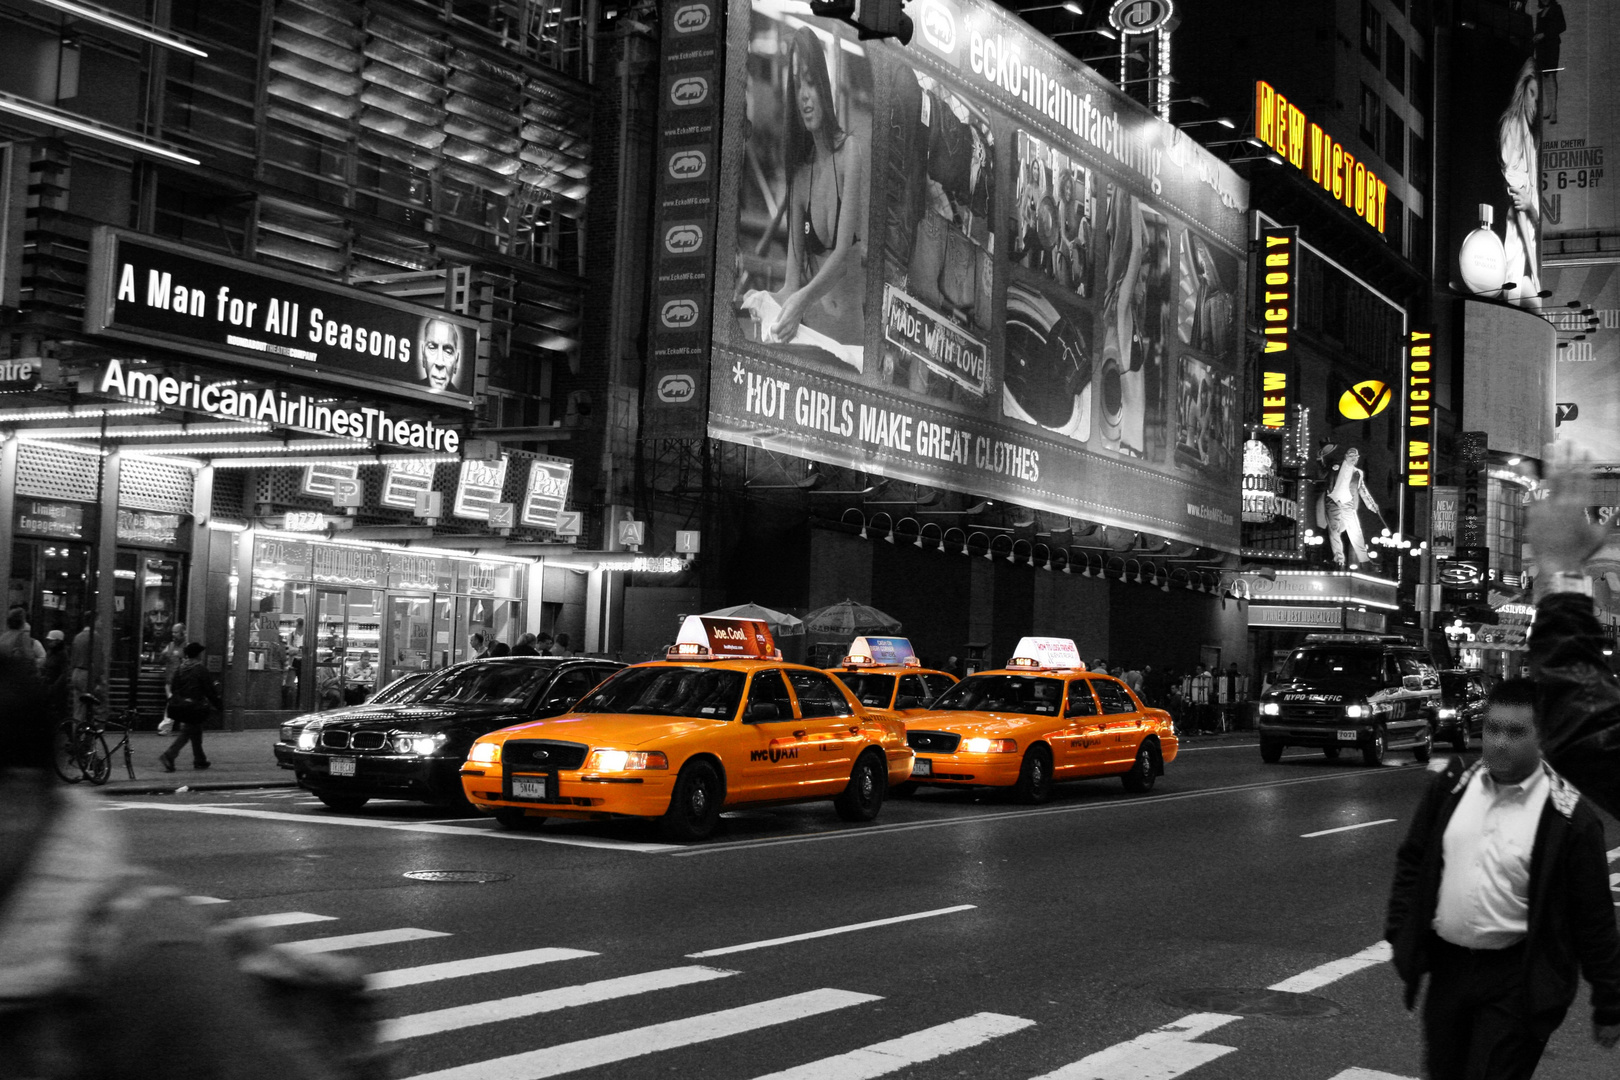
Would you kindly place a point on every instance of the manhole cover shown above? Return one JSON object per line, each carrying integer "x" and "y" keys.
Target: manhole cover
{"x": 1245, "y": 1001}
{"x": 458, "y": 877}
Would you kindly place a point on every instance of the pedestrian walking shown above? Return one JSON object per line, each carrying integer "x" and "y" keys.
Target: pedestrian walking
{"x": 1501, "y": 897}
{"x": 475, "y": 642}
{"x": 195, "y": 698}
{"x": 54, "y": 675}
{"x": 1200, "y": 692}
{"x": 83, "y": 654}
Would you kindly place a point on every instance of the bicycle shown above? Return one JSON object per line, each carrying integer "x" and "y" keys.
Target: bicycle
{"x": 82, "y": 752}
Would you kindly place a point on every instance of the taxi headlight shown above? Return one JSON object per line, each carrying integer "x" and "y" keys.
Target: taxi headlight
{"x": 1270, "y": 708}
{"x": 307, "y": 739}
{"x": 990, "y": 746}
{"x": 1357, "y": 711}
{"x": 625, "y": 760}
{"x": 485, "y": 753}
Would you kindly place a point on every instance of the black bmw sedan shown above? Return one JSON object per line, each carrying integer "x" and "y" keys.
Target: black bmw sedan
{"x": 413, "y": 747}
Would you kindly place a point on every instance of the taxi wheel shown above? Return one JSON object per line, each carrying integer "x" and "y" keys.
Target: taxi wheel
{"x": 1035, "y": 777}
{"x": 862, "y": 798}
{"x": 1144, "y": 770}
{"x": 517, "y": 820}
{"x": 694, "y": 808}
{"x": 344, "y": 803}
{"x": 1372, "y": 753}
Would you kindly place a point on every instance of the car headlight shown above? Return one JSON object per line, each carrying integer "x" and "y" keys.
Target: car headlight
{"x": 625, "y": 760}
{"x": 1270, "y": 708}
{"x": 1357, "y": 711}
{"x": 307, "y": 739}
{"x": 990, "y": 746}
{"x": 414, "y": 743}
{"x": 1447, "y": 713}
{"x": 485, "y": 753}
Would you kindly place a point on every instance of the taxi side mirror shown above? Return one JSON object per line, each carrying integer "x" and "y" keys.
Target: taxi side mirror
{"x": 762, "y": 710}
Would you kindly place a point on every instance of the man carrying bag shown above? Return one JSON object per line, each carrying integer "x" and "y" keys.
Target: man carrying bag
{"x": 194, "y": 699}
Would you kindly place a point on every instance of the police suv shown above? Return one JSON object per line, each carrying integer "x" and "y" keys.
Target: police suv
{"x": 1369, "y": 692}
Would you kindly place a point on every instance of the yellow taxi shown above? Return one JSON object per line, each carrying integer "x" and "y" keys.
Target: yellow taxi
{"x": 1042, "y": 719}
{"x": 888, "y": 680}
{"x": 723, "y": 722}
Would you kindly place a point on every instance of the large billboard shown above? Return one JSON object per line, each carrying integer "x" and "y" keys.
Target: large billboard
{"x": 1588, "y": 372}
{"x": 1581, "y": 112}
{"x": 972, "y": 263}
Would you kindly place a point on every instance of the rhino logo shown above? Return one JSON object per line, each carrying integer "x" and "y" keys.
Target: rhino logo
{"x": 677, "y": 389}
{"x": 679, "y": 314}
{"x": 691, "y": 90}
{"x": 683, "y": 239}
{"x": 688, "y": 164}
{"x": 938, "y": 27}
{"x": 691, "y": 18}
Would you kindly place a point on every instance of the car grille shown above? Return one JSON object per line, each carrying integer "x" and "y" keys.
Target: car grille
{"x": 359, "y": 740}
{"x": 938, "y": 742}
{"x": 543, "y": 754}
{"x": 336, "y": 740}
{"x": 1312, "y": 712}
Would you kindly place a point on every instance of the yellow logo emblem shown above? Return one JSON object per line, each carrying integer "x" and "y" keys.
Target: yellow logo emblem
{"x": 1364, "y": 400}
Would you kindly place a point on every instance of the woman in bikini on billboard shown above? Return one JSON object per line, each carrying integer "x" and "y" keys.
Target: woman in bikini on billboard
{"x": 827, "y": 167}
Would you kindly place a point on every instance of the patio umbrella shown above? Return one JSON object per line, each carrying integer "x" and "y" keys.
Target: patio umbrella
{"x": 850, "y": 618}
{"x": 781, "y": 623}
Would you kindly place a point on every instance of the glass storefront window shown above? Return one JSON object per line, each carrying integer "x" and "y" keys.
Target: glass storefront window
{"x": 50, "y": 579}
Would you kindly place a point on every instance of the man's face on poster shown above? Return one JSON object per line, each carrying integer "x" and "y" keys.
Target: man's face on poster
{"x": 439, "y": 349}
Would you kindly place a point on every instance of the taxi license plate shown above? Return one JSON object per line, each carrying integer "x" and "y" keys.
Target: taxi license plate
{"x": 922, "y": 767}
{"x": 342, "y": 766}
{"x": 528, "y": 787}
{"x": 1347, "y": 736}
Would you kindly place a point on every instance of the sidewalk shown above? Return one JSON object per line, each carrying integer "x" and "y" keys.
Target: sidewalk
{"x": 240, "y": 759}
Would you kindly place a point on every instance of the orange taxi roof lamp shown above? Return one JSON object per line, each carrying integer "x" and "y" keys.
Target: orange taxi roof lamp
{"x": 705, "y": 637}
{"x": 1047, "y": 654}
{"x": 881, "y": 652}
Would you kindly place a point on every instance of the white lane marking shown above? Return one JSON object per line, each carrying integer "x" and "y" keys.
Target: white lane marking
{"x": 727, "y": 950}
{"x": 637, "y": 1042}
{"x": 1223, "y": 746}
{"x": 204, "y": 900}
{"x": 280, "y": 918}
{"x": 1005, "y": 815}
{"x": 1161, "y": 1054}
{"x": 477, "y": 965}
{"x": 441, "y": 830}
{"x": 883, "y": 1058}
{"x": 1334, "y": 970}
{"x": 360, "y": 941}
{"x": 1359, "y": 1073}
{"x": 544, "y": 1001}
{"x": 1613, "y": 853}
{"x": 1346, "y": 828}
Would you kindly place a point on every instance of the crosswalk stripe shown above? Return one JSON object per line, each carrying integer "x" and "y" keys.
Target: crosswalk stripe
{"x": 565, "y": 997}
{"x": 1369, "y": 1074}
{"x": 477, "y": 965}
{"x": 829, "y": 932}
{"x": 623, "y": 1045}
{"x": 361, "y": 941}
{"x": 204, "y": 900}
{"x": 280, "y": 918}
{"x": 1334, "y": 970}
{"x": 883, "y": 1058}
{"x": 1161, "y": 1054}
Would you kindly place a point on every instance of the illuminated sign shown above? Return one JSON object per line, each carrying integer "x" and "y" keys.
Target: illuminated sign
{"x": 547, "y": 491}
{"x": 404, "y": 480}
{"x": 1278, "y": 259}
{"x": 1294, "y": 617}
{"x": 480, "y": 487}
{"x": 1259, "y": 482}
{"x": 1419, "y": 406}
{"x": 1141, "y": 16}
{"x": 1364, "y": 400}
{"x": 1472, "y": 450}
{"x": 62, "y": 521}
{"x": 150, "y": 530}
{"x": 1281, "y": 125}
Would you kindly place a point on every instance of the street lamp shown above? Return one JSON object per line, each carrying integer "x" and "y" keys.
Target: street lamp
{"x": 1221, "y": 120}
{"x": 1068, "y": 5}
{"x": 1103, "y": 30}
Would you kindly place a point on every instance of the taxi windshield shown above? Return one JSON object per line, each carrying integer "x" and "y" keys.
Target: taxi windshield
{"x": 1034, "y": 694}
{"x": 870, "y": 689}
{"x": 1363, "y": 665}
{"x": 704, "y": 693}
{"x": 486, "y": 684}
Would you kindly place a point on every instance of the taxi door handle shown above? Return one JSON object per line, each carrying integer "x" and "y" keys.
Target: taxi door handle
{"x": 854, "y": 730}
{"x": 799, "y": 734}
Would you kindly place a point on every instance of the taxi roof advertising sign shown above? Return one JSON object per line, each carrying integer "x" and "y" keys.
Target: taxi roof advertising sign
{"x": 716, "y": 638}
{"x": 973, "y": 263}
{"x": 882, "y": 651}
{"x": 1048, "y": 652}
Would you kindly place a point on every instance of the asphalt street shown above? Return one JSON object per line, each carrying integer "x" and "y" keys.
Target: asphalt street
{"x": 1224, "y": 926}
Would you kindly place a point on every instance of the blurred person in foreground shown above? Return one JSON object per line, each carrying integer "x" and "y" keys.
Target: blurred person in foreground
{"x": 103, "y": 972}
{"x": 1501, "y": 892}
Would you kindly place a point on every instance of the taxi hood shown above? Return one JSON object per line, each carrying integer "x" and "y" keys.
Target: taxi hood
{"x": 618, "y": 730}
{"x": 963, "y": 720}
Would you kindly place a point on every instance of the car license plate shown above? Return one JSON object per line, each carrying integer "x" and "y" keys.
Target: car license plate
{"x": 528, "y": 787}
{"x": 342, "y": 766}
{"x": 922, "y": 767}
{"x": 1347, "y": 736}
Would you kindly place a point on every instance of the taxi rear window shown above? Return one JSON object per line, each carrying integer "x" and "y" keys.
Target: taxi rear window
{"x": 870, "y": 689}
{"x": 1032, "y": 694}
{"x": 702, "y": 692}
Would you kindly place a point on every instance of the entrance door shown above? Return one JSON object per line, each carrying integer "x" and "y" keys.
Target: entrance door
{"x": 331, "y": 641}
{"x": 409, "y": 645}
{"x": 146, "y": 605}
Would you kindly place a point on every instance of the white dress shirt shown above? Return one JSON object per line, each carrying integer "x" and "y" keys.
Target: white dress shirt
{"x": 1484, "y": 898}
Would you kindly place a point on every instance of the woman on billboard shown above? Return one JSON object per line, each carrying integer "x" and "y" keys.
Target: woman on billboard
{"x": 1518, "y": 139}
{"x": 827, "y": 166}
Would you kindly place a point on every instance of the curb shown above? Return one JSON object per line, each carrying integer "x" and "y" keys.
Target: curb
{"x": 170, "y": 789}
